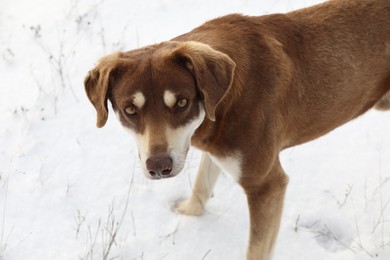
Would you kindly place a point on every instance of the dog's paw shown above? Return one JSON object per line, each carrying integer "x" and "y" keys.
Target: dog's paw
{"x": 190, "y": 207}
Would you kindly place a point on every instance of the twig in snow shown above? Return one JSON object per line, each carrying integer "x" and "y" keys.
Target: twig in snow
{"x": 3, "y": 239}
{"x": 79, "y": 221}
{"x": 173, "y": 233}
{"x": 363, "y": 248}
{"x": 113, "y": 230}
{"x": 383, "y": 206}
{"x": 359, "y": 242}
{"x": 296, "y": 223}
{"x": 207, "y": 253}
{"x": 92, "y": 241}
{"x": 346, "y": 196}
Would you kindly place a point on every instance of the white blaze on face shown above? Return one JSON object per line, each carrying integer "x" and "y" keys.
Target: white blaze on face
{"x": 169, "y": 98}
{"x": 178, "y": 140}
{"x": 144, "y": 143}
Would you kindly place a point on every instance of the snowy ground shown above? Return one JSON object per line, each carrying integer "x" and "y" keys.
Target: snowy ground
{"x": 67, "y": 189}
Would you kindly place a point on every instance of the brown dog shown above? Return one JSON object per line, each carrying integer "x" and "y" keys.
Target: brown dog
{"x": 242, "y": 89}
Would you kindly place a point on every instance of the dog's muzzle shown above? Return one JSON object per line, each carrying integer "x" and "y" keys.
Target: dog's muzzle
{"x": 159, "y": 166}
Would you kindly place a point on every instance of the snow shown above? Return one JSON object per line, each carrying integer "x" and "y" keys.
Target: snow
{"x": 66, "y": 188}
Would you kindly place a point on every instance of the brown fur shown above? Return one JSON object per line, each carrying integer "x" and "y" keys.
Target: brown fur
{"x": 267, "y": 83}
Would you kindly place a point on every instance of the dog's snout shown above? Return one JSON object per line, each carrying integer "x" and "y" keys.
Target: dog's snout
{"x": 159, "y": 166}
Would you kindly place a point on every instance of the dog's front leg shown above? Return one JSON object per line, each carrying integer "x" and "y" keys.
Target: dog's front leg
{"x": 207, "y": 176}
{"x": 265, "y": 202}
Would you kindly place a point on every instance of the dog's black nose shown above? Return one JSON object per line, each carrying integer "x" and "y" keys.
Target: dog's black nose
{"x": 159, "y": 166}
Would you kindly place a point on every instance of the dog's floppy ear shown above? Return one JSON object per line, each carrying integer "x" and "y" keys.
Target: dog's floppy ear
{"x": 97, "y": 83}
{"x": 212, "y": 69}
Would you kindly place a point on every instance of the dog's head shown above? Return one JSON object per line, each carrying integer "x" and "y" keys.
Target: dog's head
{"x": 161, "y": 94}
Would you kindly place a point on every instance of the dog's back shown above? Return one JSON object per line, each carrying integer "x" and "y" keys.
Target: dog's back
{"x": 331, "y": 60}
{"x": 344, "y": 63}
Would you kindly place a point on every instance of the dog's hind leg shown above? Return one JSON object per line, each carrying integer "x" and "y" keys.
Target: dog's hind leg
{"x": 207, "y": 176}
{"x": 384, "y": 102}
{"x": 265, "y": 201}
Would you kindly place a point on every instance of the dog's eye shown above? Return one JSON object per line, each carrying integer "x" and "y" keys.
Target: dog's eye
{"x": 131, "y": 111}
{"x": 182, "y": 103}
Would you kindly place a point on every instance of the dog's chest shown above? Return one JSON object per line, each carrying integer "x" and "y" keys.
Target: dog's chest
{"x": 229, "y": 164}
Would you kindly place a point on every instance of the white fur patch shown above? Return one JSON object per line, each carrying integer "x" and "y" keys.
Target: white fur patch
{"x": 179, "y": 140}
{"x": 169, "y": 98}
{"x": 229, "y": 164}
{"x": 139, "y": 100}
